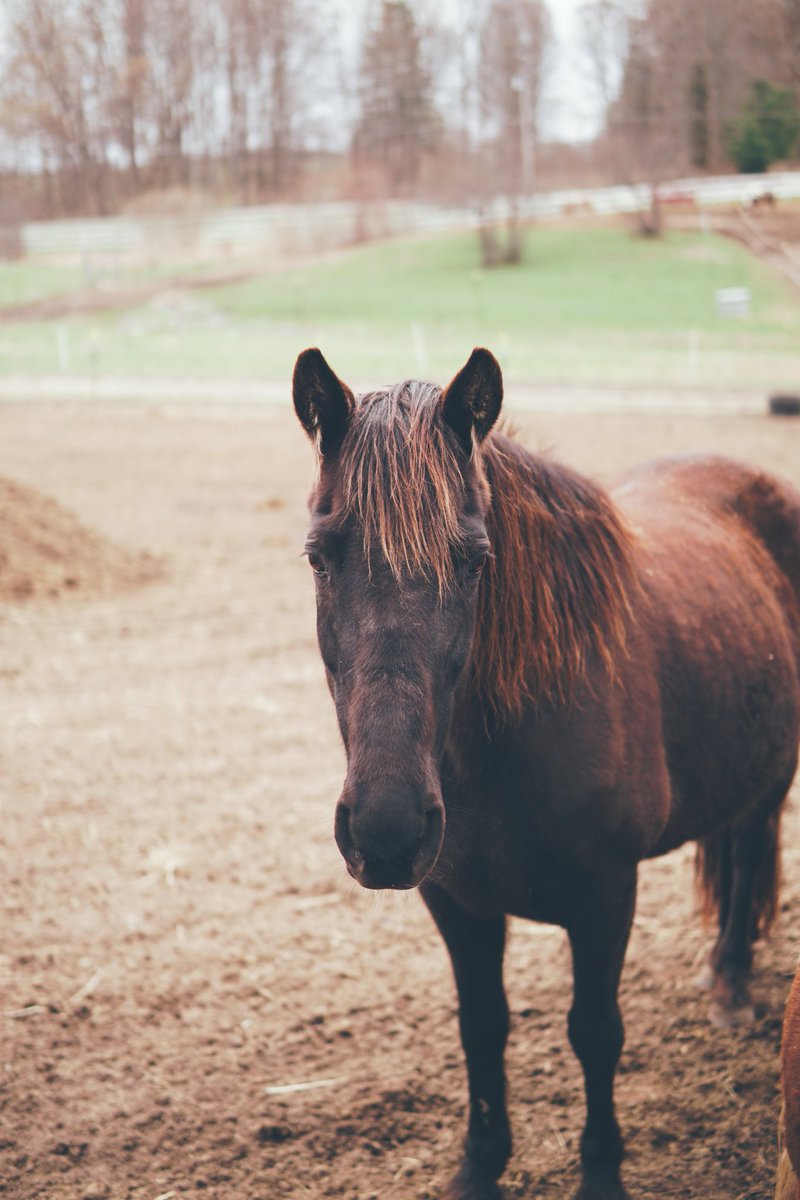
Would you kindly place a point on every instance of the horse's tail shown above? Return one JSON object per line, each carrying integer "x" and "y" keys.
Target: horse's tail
{"x": 787, "y": 1186}
{"x": 708, "y": 873}
{"x": 770, "y": 507}
{"x": 712, "y": 867}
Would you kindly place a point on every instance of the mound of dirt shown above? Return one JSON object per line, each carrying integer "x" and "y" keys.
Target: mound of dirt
{"x": 45, "y": 551}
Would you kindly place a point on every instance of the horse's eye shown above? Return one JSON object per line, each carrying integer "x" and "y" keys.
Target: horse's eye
{"x": 317, "y": 563}
{"x": 478, "y": 562}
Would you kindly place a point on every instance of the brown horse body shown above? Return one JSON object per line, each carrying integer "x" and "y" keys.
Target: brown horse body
{"x": 539, "y": 686}
{"x": 710, "y": 605}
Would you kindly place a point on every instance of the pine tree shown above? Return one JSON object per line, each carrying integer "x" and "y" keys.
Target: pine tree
{"x": 768, "y": 129}
{"x": 398, "y": 124}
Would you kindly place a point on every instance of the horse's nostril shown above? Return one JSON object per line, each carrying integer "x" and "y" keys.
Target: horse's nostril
{"x": 342, "y": 829}
{"x": 434, "y": 825}
{"x": 356, "y": 861}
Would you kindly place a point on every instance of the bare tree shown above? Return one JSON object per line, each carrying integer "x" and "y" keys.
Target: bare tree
{"x": 397, "y": 124}
{"x": 169, "y": 50}
{"x": 130, "y": 83}
{"x": 645, "y": 136}
{"x": 605, "y": 36}
{"x": 791, "y": 13}
{"x": 672, "y": 75}
{"x": 278, "y": 58}
{"x": 515, "y": 39}
{"x": 55, "y": 94}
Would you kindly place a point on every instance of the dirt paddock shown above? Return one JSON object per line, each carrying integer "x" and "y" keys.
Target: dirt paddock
{"x": 179, "y": 936}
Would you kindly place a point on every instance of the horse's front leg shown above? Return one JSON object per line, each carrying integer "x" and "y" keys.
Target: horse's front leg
{"x": 598, "y": 933}
{"x": 476, "y": 950}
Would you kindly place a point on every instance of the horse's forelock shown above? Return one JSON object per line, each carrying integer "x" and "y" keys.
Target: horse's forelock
{"x": 403, "y": 480}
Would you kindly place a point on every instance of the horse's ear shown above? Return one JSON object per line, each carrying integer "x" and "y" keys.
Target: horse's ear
{"x": 471, "y": 402}
{"x": 322, "y": 402}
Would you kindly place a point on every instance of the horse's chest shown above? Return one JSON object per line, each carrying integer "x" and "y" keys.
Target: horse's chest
{"x": 526, "y": 825}
{"x": 502, "y": 856}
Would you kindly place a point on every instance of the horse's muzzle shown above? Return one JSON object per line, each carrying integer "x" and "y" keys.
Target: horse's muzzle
{"x": 386, "y": 847}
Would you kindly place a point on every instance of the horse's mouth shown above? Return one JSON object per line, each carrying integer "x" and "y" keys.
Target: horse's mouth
{"x": 378, "y": 873}
{"x": 377, "y": 885}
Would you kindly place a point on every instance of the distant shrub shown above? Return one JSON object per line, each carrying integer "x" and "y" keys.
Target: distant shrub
{"x": 767, "y": 129}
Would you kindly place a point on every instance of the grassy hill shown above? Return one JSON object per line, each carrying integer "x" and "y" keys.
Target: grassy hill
{"x": 587, "y": 306}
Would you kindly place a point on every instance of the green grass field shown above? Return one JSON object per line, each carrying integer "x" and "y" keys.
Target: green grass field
{"x": 587, "y": 306}
{"x": 27, "y": 281}
{"x": 23, "y": 282}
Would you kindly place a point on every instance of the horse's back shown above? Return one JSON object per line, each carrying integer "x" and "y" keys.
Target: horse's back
{"x": 716, "y": 483}
{"x": 720, "y": 522}
{"x": 718, "y": 548}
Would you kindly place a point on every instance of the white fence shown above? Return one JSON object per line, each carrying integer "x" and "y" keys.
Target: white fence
{"x": 277, "y": 228}
{"x": 293, "y": 228}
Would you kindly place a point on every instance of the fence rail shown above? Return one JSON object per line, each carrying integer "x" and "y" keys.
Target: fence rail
{"x": 292, "y": 228}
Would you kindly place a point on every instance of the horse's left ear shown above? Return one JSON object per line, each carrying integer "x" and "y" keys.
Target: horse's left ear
{"x": 471, "y": 402}
{"x": 322, "y": 402}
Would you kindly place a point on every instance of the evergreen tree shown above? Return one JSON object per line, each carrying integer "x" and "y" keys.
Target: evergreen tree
{"x": 768, "y": 129}
{"x": 398, "y": 124}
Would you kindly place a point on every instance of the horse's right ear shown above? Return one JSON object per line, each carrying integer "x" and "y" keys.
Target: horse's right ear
{"x": 471, "y": 402}
{"x": 322, "y": 402}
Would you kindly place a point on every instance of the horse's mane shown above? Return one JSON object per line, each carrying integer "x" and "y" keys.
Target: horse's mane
{"x": 556, "y": 588}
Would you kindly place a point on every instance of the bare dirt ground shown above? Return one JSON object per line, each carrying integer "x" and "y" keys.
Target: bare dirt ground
{"x": 179, "y": 935}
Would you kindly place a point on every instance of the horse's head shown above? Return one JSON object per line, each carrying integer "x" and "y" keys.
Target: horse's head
{"x": 397, "y": 544}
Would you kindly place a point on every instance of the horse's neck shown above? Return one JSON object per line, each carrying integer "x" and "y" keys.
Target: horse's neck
{"x": 556, "y": 591}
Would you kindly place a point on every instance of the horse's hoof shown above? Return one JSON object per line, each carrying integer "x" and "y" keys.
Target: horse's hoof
{"x": 724, "y": 1016}
{"x": 467, "y": 1184}
{"x": 730, "y": 1003}
{"x": 704, "y": 979}
{"x": 601, "y": 1188}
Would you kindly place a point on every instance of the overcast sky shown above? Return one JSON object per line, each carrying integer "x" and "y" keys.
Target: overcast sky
{"x": 570, "y": 109}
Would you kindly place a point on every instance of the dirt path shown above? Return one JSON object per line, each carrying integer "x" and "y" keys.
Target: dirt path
{"x": 115, "y": 294}
{"x": 178, "y": 932}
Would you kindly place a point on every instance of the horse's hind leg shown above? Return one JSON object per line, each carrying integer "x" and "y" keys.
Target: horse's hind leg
{"x": 746, "y": 906}
{"x": 598, "y": 935}
{"x": 476, "y": 950}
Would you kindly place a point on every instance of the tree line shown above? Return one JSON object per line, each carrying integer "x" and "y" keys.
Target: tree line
{"x": 693, "y": 87}
{"x": 101, "y": 100}
{"x": 105, "y": 101}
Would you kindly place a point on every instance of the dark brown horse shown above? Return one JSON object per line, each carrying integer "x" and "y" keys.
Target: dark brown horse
{"x": 538, "y": 686}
